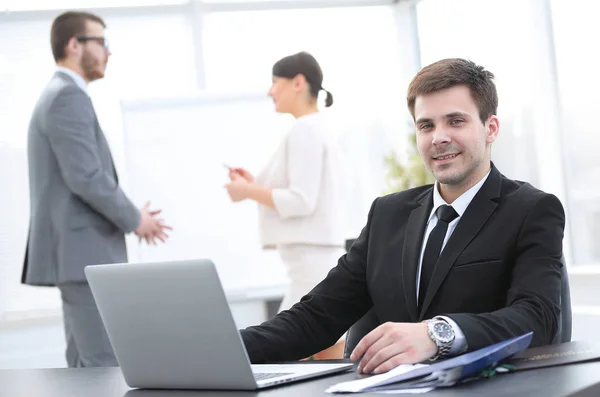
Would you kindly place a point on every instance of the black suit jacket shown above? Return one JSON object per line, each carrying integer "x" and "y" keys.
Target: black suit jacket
{"x": 498, "y": 276}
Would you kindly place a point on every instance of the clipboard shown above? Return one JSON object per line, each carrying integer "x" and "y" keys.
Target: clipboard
{"x": 554, "y": 355}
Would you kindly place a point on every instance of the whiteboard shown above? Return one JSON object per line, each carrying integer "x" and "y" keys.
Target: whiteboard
{"x": 175, "y": 149}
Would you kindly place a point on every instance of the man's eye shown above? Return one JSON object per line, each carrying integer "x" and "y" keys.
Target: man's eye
{"x": 456, "y": 122}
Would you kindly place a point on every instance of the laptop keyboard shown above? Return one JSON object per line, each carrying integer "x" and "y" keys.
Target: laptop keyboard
{"x": 269, "y": 375}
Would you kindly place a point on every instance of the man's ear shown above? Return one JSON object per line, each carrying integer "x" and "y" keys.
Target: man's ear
{"x": 493, "y": 128}
{"x": 73, "y": 46}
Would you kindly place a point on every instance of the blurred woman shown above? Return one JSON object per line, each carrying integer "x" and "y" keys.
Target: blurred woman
{"x": 300, "y": 189}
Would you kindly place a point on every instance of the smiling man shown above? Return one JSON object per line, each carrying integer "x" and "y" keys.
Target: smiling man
{"x": 467, "y": 262}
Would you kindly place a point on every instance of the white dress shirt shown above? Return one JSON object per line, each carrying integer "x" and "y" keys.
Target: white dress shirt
{"x": 460, "y": 206}
{"x": 75, "y": 76}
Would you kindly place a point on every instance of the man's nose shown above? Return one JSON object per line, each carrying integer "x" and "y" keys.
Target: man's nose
{"x": 440, "y": 136}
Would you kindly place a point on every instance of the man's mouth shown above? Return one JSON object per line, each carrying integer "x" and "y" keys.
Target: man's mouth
{"x": 446, "y": 156}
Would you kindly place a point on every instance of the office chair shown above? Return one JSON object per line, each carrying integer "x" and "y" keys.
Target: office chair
{"x": 370, "y": 321}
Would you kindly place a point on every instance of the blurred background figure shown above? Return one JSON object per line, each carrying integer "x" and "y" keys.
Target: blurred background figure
{"x": 300, "y": 189}
{"x": 79, "y": 214}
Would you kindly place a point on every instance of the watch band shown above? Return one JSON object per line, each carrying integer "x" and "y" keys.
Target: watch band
{"x": 443, "y": 348}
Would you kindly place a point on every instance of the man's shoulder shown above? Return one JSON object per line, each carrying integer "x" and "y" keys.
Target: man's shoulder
{"x": 522, "y": 192}
{"x": 62, "y": 84}
{"x": 60, "y": 87}
{"x": 518, "y": 197}
{"x": 406, "y": 197}
{"x": 60, "y": 98}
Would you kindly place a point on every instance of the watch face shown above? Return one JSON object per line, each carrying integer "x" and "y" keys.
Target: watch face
{"x": 443, "y": 331}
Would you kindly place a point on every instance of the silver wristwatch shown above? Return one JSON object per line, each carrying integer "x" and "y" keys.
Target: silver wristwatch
{"x": 442, "y": 334}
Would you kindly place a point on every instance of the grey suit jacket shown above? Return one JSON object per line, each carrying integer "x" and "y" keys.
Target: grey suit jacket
{"x": 79, "y": 214}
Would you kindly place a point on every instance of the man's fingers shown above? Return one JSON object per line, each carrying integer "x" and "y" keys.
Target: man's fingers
{"x": 383, "y": 354}
{"x": 373, "y": 356}
{"x": 159, "y": 227}
{"x": 393, "y": 362}
{"x": 365, "y": 343}
{"x": 162, "y": 237}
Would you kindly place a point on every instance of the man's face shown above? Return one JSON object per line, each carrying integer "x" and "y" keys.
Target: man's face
{"x": 94, "y": 56}
{"x": 452, "y": 140}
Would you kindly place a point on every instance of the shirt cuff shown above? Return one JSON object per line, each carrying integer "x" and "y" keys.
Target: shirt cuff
{"x": 460, "y": 342}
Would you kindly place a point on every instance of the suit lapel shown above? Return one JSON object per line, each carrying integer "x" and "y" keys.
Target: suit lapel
{"x": 471, "y": 222}
{"x": 411, "y": 252}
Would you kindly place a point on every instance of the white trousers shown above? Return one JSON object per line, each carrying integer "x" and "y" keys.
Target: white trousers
{"x": 306, "y": 265}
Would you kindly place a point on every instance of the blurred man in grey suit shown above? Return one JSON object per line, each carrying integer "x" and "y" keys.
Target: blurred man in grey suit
{"x": 79, "y": 214}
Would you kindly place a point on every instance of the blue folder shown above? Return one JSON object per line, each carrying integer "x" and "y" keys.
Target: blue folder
{"x": 448, "y": 372}
{"x": 474, "y": 362}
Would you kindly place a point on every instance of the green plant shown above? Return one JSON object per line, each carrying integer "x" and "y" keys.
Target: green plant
{"x": 405, "y": 175}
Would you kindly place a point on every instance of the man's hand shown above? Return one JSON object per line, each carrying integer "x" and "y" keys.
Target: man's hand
{"x": 392, "y": 344}
{"x": 237, "y": 188}
{"x": 150, "y": 227}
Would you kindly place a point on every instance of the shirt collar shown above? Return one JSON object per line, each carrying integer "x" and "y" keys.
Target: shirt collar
{"x": 75, "y": 76}
{"x": 462, "y": 202}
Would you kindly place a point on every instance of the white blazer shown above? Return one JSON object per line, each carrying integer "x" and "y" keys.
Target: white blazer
{"x": 306, "y": 177}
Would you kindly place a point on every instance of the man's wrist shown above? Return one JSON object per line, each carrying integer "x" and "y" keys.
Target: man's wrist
{"x": 442, "y": 335}
{"x": 459, "y": 345}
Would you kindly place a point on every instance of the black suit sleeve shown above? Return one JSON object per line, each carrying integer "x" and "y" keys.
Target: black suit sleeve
{"x": 533, "y": 299}
{"x": 322, "y": 316}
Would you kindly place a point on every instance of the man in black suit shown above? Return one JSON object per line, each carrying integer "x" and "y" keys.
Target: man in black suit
{"x": 498, "y": 274}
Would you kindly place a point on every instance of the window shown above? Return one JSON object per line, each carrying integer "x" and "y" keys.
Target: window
{"x": 241, "y": 47}
{"x": 509, "y": 38}
{"x": 358, "y": 52}
{"x": 470, "y": 29}
{"x": 575, "y": 23}
{"x": 22, "y": 5}
{"x": 152, "y": 55}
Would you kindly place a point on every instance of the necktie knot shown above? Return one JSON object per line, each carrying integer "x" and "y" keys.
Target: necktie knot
{"x": 446, "y": 213}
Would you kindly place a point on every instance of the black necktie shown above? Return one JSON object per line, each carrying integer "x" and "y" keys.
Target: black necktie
{"x": 445, "y": 214}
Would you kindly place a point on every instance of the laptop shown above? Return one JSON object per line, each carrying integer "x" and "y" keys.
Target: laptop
{"x": 171, "y": 328}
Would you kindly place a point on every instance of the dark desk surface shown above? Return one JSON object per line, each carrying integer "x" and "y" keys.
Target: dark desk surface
{"x": 579, "y": 380}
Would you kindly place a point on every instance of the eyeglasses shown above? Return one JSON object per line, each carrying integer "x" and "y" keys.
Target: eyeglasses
{"x": 100, "y": 40}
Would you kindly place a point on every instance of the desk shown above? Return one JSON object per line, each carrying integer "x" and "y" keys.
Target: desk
{"x": 578, "y": 380}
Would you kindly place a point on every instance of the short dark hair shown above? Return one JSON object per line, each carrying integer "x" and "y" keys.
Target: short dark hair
{"x": 452, "y": 72}
{"x": 66, "y": 26}
{"x": 305, "y": 64}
